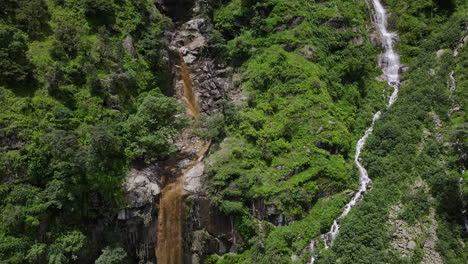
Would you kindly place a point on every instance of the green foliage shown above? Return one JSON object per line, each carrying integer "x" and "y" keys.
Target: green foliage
{"x": 67, "y": 139}
{"x": 112, "y": 255}
{"x": 415, "y": 206}
{"x": 15, "y": 66}
{"x": 309, "y": 91}
{"x": 406, "y": 145}
{"x": 150, "y": 127}
{"x": 66, "y": 248}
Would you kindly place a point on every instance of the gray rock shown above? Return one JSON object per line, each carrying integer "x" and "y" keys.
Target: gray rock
{"x": 142, "y": 186}
{"x": 195, "y": 24}
{"x": 189, "y": 59}
{"x": 308, "y": 52}
{"x": 183, "y": 163}
{"x": 440, "y": 53}
{"x": 403, "y": 68}
{"x": 193, "y": 178}
{"x": 359, "y": 40}
{"x": 129, "y": 46}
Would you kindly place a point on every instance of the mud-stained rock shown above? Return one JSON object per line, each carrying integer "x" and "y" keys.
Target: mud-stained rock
{"x": 193, "y": 179}
{"x": 208, "y": 76}
{"x": 208, "y": 231}
{"x": 142, "y": 186}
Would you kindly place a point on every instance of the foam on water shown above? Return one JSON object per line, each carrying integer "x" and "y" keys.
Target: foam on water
{"x": 389, "y": 61}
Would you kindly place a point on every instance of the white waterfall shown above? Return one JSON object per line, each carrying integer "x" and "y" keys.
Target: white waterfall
{"x": 389, "y": 61}
{"x": 452, "y": 86}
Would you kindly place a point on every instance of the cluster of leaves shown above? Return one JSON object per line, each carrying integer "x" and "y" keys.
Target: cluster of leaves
{"x": 77, "y": 110}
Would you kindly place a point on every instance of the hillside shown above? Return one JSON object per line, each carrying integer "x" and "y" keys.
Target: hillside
{"x": 233, "y": 131}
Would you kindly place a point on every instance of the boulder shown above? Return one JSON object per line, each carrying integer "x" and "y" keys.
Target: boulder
{"x": 440, "y": 53}
{"x": 142, "y": 186}
{"x": 193, "y": 178}
{"x": 129, "y": 46}
{"x": 189, "y": 59}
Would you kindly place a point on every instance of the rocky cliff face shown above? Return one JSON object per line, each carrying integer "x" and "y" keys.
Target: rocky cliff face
{"x": 206, "y": 230}
{"x": 208, "y": 75}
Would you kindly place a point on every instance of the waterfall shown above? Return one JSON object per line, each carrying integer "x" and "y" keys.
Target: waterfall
{"x": 171, "y": 214}
{"x": 169, "y": 246}
{"x": 188, "y": 95}
{"x": 389, "y": 62}
{"x": 452, "y": 86}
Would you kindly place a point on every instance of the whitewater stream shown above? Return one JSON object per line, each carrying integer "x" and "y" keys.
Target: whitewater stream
{"x": 452, "y": 86}
{"x": 389, "y": 61}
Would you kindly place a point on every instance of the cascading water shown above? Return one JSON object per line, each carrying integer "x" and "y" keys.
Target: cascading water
{"x": 452, "y": 86}
{"x": 171, "y": 206}
{"x": 389, "y": 61}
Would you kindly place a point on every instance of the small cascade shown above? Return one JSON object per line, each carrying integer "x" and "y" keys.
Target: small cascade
{"x": 170, "y": 219}
{"x": 389, "y": 61}
{"x": 452, "y": 82}
{"x": 452, "y": 86}
{"x": 187, "y": 95}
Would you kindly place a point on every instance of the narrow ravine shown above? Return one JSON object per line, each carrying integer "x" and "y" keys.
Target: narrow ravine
{"x": 389, "y": 61}
{"x": 169, "y": 246}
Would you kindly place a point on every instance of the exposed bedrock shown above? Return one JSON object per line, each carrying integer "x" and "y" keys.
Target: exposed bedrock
{"x": 209, "y": 76}
{"x": 206, "y": 230}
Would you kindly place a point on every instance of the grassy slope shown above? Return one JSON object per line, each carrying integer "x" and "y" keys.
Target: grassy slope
{"x": 398, "y": 154}
{"x": 294, "y": 137}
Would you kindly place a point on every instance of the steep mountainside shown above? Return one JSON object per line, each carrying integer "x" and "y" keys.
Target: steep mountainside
{"x": 225, "y": 131}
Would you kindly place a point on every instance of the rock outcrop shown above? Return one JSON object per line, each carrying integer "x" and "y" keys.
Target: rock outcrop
{"x": 135, "y": 223}
{"x": 209, "y": 77}
{"x": 407, "y": 238}
{"x": 206, "y": 230}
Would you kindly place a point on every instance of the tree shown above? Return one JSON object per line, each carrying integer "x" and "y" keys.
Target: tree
{"x": 149, "y": 130}
{"x": 31, "y": 16}
{"x": 112, "y": 255}
{"x": 15, "y": 67}
{"x": 66, "y": 248}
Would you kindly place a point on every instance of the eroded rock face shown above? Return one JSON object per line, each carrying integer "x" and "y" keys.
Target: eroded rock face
{"x": 267, "y": 212}
{"x": 143, "y": 186}
{"x": 209, "y": 77}
{"x": 208, "y": 231}
{"x": 136, "y": 224}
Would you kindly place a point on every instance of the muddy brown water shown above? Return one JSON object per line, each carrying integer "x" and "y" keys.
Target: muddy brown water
{"x": 169, "y": 246}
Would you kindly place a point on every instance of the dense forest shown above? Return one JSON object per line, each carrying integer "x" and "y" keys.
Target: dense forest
{"x": 96, "y": 123}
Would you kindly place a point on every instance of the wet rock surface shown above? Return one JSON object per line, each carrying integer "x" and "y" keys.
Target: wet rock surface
{"x": 209, "y": 76}
{"x": 208, "y": 231}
